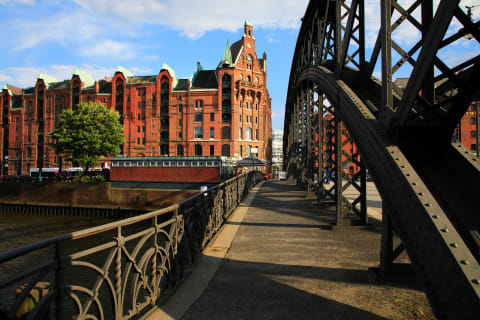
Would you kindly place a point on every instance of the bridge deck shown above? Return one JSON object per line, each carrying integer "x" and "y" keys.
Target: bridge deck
{"x": 284, "y": 262}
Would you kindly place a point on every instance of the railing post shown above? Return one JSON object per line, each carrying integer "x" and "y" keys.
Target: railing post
{"x": 59, "y": 280}
{"x": 118, "y": 275}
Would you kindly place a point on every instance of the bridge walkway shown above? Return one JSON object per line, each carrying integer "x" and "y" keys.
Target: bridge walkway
{"x": 285, "y": 263}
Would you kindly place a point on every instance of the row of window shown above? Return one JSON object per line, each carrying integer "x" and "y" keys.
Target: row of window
{"x": 248, "y": 119}
{"x": 142, "y": 163}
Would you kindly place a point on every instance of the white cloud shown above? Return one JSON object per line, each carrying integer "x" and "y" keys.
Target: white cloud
{"x": 110, "y": 48}
{"x": 194, "y": 18}
{"x": 27, "y": 76}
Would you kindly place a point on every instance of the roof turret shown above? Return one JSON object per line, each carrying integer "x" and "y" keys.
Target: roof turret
{"x": 126, "y": 73}
{"x": 47, "y": 79}
{"x": 172, "y": 74}
{"x": 227, "y": 60}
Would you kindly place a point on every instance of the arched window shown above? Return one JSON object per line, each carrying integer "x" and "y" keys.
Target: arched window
{"x": 226, "y": 150}
{"x": 225, "y": 132}
{"x": 249, "y": 58}
{"x": 164, "y": 95}
{"x": 179, "y": 150}
{"x": 249, "y": 79}
{"x": 198, "y": 150}
{"x": 226, "y": 105}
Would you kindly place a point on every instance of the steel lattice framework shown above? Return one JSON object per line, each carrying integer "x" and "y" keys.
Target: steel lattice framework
{"x": 429, "y": 187}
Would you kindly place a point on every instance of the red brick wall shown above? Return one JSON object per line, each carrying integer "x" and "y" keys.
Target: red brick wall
{"x": 165, "y": 174}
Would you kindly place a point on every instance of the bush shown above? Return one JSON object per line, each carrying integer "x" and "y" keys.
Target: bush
{"x": 85, "y": 179}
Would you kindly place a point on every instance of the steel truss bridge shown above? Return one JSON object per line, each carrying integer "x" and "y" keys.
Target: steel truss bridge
{"x": 337, "y": 112}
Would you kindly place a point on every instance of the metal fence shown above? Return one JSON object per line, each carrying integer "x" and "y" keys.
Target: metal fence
{"x": 118, "y": 270}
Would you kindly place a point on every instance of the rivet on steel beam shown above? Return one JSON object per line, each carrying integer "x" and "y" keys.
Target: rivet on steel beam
{"x": 476, "y": 281}
{"x": 403, "y": 167}
{"x": 465, "y": 262}
{"x": 408, "y": 174}
{"x": 428, "y": 205}
{"x": 445, "y": 230}
{"x": 414, "y": 183}
{"x": 435, "y": 216}
{"x": 420, "y": 193}
{"x": 455, "y": 245}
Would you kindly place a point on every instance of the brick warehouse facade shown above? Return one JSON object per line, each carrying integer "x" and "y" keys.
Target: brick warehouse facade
{"x": 221, "y": 112}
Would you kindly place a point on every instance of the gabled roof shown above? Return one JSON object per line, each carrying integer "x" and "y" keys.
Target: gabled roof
{"x": 236, "y": 48}
{"x": 12, "y": 90}
{"x": 47, "y": 79}
{"x": 84, "y": 77}
{"x": 172, "y": 74}
{"x": 206, "y": 79}
{"x": 125, "y": 72}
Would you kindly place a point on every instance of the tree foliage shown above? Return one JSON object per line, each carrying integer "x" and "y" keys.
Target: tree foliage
{"x": 87, "y": 133}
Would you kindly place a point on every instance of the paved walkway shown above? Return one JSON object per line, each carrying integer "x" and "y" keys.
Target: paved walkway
{"x": 285, "y": 263}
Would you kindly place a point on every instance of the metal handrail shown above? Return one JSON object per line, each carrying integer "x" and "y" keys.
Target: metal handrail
{"x": 124, "y": 275}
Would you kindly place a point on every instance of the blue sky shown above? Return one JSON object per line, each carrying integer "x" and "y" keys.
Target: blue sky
{"x": 57, "y": 36}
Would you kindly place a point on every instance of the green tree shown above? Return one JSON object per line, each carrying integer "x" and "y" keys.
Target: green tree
{"x": 87, "y": 133}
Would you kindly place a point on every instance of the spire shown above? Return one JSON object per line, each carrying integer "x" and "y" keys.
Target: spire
{"x": 227, "y": 57}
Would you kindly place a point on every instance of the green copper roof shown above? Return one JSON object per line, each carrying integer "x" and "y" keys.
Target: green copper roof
{"x": 46, "y": 78}
{"x": 248, "y": 23}
{"x": 198, "y": 68}
{"x": 85, "y": 77}
{"x": 172, "y": 74}
{"x": 125, "y": 72}
{"x": 5, "y": 87}
{"x": 227, "y": 60}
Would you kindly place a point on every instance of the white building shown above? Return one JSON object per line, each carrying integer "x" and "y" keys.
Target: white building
{"x": 277, "y": 150}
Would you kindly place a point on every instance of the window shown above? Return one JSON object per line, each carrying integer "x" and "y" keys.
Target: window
{"x": 248, "y": 133}
{"x": 472, "y": 120}
{"x": 143, "y": 116}
{"x": 256, "y": 134}
{"x": 241, "y": 151}
{"x": 198, "y": 149}
{"x": 179, "y": 98}
{"x": 180, "y": 108}
{"x": 180, "y": 135}
{"x": 240, "y": 133}
{"x": 199, "y": 132}
{"x": 180, "y": 123}
{"x": 248, "y": 154}
{"x": 225, "y": 132}
{"x": 198, "y": 117}
{"x": 29, "y": 152}
{"x": 226, "y": 117}
{"x": 249, "y": 79}
{"x": 138, "y": 105}
{"x": 138, "y": 140}
{"x": 473, "y": 147}
{"x": 472, "y": 134}
{"x": 143, "y": 141}
{"x": 212, "y": 133}
{"x": 139, "y": 92}
{"x": 164, "y": 150}
{"x": 143, "y": 105}
{"x": 212, "y": 150}
{"x": 212, "y": 117}
{"x": 143, "y": 128}
{"x": 256, "y": 121}
{"x": 179, "y": 150}
{"x": 138, "y": 129}
{"x": 198, "y": 104}
{"x": 138, "y": 116}
{"x": 226, "y": 150}
{"x": 29, "y": 132}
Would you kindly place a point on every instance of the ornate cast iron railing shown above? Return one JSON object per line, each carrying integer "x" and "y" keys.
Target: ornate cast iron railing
{"x": 118, "y": 270}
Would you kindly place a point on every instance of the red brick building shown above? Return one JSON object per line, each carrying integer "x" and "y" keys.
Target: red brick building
{"x": 221, "y": 112}
{"x": 467, "y": 130}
